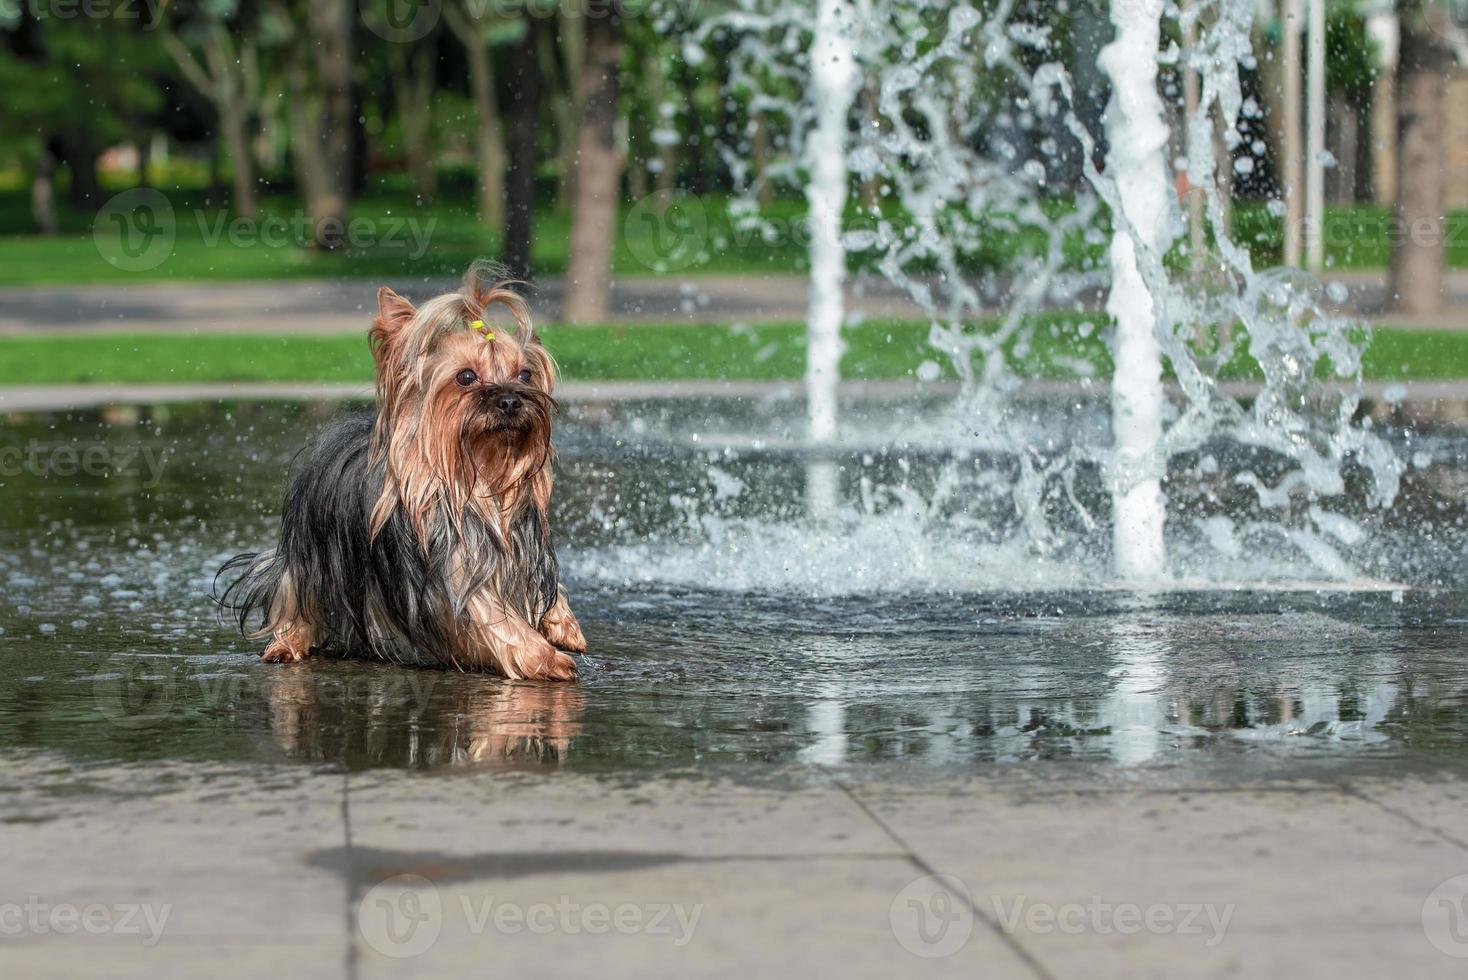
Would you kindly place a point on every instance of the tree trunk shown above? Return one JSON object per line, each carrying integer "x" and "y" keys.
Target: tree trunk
{"x": 665, "y": 171}
{"x": 215, "y": 196}
{"x": 1418, "y": 243}
{"x": 228, "y": 83}
{"x": 598, "y": 175}
{"x": 270, "y": 138}
{"x": 145, "y": 156}
{"x": 1384, "y": 137}
{"x": 1364, "y": 108}
{"x": 303, "y": 118}
{"x": 330, "y": 32}
{"x": 85, "y": 189}
{"x": 569, "y": 104}
{"x": 527, "y": 81}
{"x": 1342, "y": 120}
{"x": 43, "y": 194}
{"x": 870, "y": 192}
{"x": 1271, "y": 93}
{"x": 413, "y": 85}
{"x": 233, "y": 120}
{"x": 489, "y": 140}
{"x": 760, "y": 152}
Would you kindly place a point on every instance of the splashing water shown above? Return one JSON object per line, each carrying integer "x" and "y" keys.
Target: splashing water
{"x": 1092, "y": 440}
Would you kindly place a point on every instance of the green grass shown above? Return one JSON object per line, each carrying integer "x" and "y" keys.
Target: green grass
{"x": 1356, "y": 237}
{"x": 876, "y": 350}
{"x": 396, "y": 239}
{"x": 400, "y": 239}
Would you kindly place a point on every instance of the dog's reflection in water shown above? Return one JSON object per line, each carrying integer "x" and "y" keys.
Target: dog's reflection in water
{"x": 364, "y": 716}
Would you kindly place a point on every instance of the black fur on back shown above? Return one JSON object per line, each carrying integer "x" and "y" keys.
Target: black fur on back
{"x": 387, "y": 595}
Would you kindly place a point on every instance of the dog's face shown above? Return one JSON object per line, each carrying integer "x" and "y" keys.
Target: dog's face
{"x": 464, "y": 403}
{"x": 488, "y": 385}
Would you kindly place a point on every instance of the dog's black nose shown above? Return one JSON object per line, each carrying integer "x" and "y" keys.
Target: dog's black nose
{"x": 509, "y": 404}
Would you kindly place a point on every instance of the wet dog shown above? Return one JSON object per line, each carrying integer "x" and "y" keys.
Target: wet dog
{"x": 423, "y": 530}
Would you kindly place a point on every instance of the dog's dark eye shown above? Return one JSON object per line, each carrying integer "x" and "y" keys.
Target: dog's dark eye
{"x": 524, "y": 376}
{"x": 466, "y": 378}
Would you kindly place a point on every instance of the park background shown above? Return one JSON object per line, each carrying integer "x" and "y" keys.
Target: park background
{"x": 153, "y": 149}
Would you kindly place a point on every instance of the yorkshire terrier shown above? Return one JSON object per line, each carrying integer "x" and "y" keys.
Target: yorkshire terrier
{"x": 423, "y": 530}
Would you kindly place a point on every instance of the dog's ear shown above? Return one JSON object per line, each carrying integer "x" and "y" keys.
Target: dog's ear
{"x": 544, "y": 366}
{"x": 393, "y": 314}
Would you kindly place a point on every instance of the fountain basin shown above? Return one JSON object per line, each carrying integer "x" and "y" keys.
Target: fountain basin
{"x": 729, "y": 630}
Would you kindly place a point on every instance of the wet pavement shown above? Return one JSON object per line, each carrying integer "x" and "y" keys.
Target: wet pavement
{"x": 788, "y": 731}
{"x": 302, "y": 871}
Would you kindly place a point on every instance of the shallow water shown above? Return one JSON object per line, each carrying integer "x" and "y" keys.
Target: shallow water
{"x": 730, "y": 630}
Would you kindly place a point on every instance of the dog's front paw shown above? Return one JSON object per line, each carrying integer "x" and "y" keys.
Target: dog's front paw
{"x": 564, "y": 633}
{"x": 554, "y": 666}
{"x": 282, "y": 652}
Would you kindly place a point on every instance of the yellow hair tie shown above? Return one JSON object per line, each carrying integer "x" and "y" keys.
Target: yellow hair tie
{"x": 479, "y": 325}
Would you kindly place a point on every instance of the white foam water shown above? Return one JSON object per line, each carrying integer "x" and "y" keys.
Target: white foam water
{"x": 995, "y": 213}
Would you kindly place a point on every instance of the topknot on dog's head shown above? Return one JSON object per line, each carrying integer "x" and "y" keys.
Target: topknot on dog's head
{"x": 488, "y": 284}
{"x": 403, "y": 334}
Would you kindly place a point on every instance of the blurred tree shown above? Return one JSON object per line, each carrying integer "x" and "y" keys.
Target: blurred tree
{"x": 216, "y": 46}
{"x": 480, "y": 28}
{"x": 413, "y": 67}
{"x": 1419, "y": 235}
{"x": 323, "y": 124}
{"x": 563, "y": 57}
{"x": 598, "y": 171}
{"x": 527, "y": 85}
{"x": 72, "y": 88}
{"x": 1350, "y": 69}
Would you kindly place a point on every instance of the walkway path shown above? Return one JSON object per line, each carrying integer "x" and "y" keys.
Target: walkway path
{"x": 1438, "y": 397}
{"x": 329, "y": 306}
{"x": 303, "y": 872}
